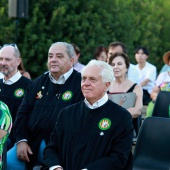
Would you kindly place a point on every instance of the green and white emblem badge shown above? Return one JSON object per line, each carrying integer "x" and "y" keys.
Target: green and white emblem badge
{"x": 104, "y": 124}
{"x": 67, "y": 95}
{"x": 19, "y": 92}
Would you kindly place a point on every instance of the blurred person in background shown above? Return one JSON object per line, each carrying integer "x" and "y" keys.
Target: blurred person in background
{"x": 162, "y": 84}
{"x": 147, "y": 73}
{"x": 119, "y": 47}
{"x": 22, "y": 70}
{"x": 101, "y": 53}
{"x": 1, "y": 75}
{"x": 163, "y": 79}
{"x": 77, "y": 65}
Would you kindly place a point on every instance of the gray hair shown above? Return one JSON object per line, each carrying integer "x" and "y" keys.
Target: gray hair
{"x": 16, "y": 52}
{"x": 106, "y": 70}
{"x": 69, "y": 48}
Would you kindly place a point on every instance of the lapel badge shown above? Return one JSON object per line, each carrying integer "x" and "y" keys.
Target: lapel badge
{"x": 19, "y": 92}
{"x": 104, "y": 124}
{"x": 67, "y": 95}
{"x": 39, "y": 95}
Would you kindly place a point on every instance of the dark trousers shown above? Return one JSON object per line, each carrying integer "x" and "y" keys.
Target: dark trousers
{"x": 146, "y": 97}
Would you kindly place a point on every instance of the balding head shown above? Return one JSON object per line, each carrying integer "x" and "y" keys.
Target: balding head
{"x": 9, "y": 60}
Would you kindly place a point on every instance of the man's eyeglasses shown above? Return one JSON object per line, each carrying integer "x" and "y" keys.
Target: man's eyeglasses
{"x": 13, "y": 45}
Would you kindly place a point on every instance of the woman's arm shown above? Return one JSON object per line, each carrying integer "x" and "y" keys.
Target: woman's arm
{"x": 136, "y": 110}
{"x": 155, "y": 92}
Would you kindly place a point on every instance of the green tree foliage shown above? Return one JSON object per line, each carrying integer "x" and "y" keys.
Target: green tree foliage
{"x": 88, "y": 24}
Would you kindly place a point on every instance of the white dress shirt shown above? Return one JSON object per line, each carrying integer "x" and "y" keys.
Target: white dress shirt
{"x": 62, "y": 79}
{"x": 13, "y": 79}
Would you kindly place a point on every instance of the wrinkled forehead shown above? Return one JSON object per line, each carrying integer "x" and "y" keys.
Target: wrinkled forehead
{"x": 57, "y": 48}
{"x": 89, "y": 70}
{"x": 7, "y": 51}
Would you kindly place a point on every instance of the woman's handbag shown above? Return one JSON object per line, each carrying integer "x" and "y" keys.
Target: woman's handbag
{"x": 126, "y": 100}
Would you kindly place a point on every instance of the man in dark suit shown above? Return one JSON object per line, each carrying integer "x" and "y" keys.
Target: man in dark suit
{"x": 45, "y": 98}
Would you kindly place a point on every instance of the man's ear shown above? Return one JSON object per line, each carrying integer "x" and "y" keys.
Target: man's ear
{"x": 78, "y": 55}
{"x": 72, "y": 61}
{"x": 107, "y": 86}
{"x": 19, "y": 61}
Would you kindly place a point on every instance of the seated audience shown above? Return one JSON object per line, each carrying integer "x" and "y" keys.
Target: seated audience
{"x": 95, "y": 133}
{"x": 77, "y": 65}
{"x": 163, "y": 80}
{"x": 121, "y": 84}
{"x": 162, "y": 83}
{"x": 119, "y": 47}
{"x": 164, "y": 68}
{"x": 101, "y": 53}
{"x": 147, "y": 73}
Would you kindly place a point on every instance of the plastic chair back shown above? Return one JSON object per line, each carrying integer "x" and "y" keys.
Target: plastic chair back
{"x": 162, "y": 105}
{"x": 152, "y": 151}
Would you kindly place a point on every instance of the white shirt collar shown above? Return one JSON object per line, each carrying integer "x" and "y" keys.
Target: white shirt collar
{"x": 98, "y": 103}
{"x": 62, "y": 79}
{"x": 13, "y": 79}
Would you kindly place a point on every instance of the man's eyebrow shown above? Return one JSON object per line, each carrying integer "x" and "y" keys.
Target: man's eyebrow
{"x": 57, "y": 53}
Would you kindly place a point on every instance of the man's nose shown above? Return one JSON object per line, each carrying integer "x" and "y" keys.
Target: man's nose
{"x": 54, "y": 59}
{"x": 86, "y": 82}
{"x": 3, "y": 62}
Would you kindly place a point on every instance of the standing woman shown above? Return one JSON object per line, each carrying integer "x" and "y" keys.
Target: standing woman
{"x": 121, "y": 84}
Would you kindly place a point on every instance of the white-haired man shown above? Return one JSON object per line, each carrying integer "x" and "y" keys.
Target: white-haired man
{"x": 94, "y": 134}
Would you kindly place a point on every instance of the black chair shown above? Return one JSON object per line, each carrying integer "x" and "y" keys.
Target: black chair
{"x": 152, "y": 151}
{"x": 162, "y": 105}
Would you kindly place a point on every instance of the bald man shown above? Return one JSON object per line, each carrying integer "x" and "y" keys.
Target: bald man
{"x": 13, "y": 85}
